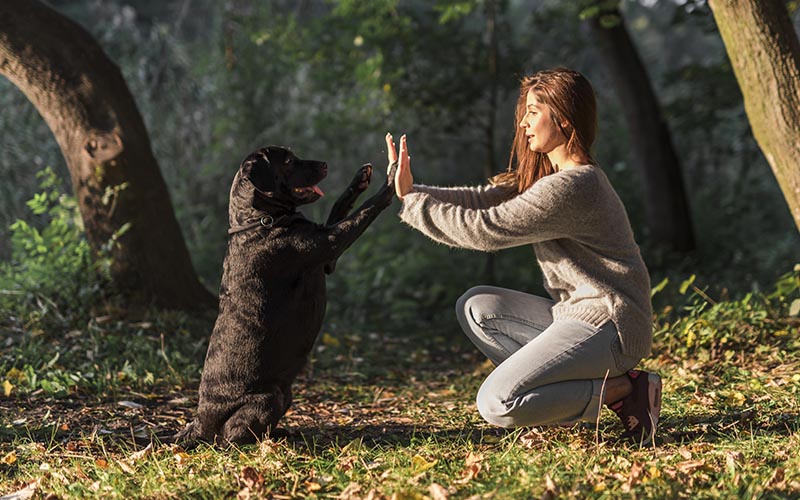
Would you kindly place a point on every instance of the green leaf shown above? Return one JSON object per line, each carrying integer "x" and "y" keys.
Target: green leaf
{"x": 659, "y": 287}
{"x": 686, "y": 284}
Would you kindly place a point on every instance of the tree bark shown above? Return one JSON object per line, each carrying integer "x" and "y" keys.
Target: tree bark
{"x": 85, "y": 101}
{"x": 765, "y": 54}
{"x": 667, "y": 209}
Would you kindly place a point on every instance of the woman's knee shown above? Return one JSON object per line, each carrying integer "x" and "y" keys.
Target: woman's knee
{"x": 492, "y": 407}
{"x": 472, "y": 303}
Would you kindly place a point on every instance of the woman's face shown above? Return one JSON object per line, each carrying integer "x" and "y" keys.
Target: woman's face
{"x": 541, "y": 131}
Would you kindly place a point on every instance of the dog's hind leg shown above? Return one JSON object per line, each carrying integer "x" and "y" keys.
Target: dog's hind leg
{"x": 255, "y": 418}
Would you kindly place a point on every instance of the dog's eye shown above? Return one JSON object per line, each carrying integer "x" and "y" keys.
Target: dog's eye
{"x": 287, "y": 161}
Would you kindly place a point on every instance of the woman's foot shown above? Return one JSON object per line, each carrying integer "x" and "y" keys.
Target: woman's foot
{"x": 639, "y": 410}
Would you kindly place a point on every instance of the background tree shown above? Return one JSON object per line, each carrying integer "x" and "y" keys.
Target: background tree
{"x": 668, "y": 216}
{"x": 330, "y": 77}
{"x": 123, "y": 199}
{"x": 765, "y": 53}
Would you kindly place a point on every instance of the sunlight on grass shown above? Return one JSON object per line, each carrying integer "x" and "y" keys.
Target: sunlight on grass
{"x": 388, "y": 416}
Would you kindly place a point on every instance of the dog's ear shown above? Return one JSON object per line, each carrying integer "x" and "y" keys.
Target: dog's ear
{"x": 259, "y": 171}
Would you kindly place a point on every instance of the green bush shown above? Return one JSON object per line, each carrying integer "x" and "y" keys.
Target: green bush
{"x": 721, "y": 329}
{"x": 51, "y": 275}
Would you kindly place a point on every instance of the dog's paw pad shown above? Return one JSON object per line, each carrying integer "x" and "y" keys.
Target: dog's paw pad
{"x": 364, "y": 175}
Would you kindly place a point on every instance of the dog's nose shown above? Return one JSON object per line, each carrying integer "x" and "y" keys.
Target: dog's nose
{"x": 325, "y": 167}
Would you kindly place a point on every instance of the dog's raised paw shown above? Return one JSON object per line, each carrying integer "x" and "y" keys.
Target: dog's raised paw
{"x": 363, "y": 176}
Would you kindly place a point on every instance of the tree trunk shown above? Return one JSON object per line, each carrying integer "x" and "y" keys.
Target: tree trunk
{"x": 84, "y": 100}
{"x": 667, "y": 210}
{"x": 765, "y": 54}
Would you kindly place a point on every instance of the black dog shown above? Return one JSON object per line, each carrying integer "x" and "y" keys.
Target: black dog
{"x": 272, "y": 296}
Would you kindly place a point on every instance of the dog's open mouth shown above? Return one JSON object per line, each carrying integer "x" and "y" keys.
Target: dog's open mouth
{"x": 305, "y": 192}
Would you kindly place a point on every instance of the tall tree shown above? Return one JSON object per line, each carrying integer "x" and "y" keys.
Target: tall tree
{"x": 667, "y": 209}
{"x": 123, "y": 199}
{"x": 765, "y": 54}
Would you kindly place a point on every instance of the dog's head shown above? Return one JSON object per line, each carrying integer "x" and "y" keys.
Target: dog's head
{"x": 274, "y": 177}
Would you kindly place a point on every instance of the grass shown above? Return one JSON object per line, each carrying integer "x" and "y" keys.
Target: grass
{"x": 385, "y": 415}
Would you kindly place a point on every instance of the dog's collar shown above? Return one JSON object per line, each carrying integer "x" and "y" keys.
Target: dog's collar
{"x": 266, "y": 221}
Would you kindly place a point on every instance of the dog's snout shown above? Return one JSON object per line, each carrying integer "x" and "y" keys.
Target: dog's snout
{"x": 324, "y": 167}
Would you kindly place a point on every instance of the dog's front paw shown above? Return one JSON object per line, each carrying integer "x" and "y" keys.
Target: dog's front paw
{"x": 360, "y": 182}
{"x": 391, "y": 172}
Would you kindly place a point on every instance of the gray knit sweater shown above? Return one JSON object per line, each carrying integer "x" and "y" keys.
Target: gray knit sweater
{"x": 579, "y": 231}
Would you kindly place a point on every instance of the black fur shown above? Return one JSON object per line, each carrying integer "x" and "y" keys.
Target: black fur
{"x": 272, "y": 296}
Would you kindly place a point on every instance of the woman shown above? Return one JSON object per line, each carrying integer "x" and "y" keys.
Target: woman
{"x": 557, "y": 361}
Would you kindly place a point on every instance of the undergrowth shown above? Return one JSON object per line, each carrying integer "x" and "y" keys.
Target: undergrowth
{"x": 88, "y": 396}
{"x": 391, "y": 415}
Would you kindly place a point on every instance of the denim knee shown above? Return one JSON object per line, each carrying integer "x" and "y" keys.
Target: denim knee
{"x": 467, "y": 311}
{"x": 492, "y": 407}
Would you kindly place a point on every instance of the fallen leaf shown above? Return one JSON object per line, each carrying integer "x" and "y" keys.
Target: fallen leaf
{"x": 634, "y": 477}
{"x": 312, "y": 486}
{"x": 7, "y": 388}
{"x": 253, "y": 482}
{"x": 329, "y": 340}
{"x": 689, "y": 466}
{"x": 125, "y": 467}
{"x": 250, "y": 477}
{"x": 732, "y": 459}
{"x": 144, "y": 452}
{"x": 778, "y": 479}
{"x": 550, "y": 488}
{"x": 469, "y": 473}
{"x": 473, "y": 458}
{"x": 130, "y": 404}
{"x": 438, "y": 492}
{"x": 10, "y": 458}
{"x": 350, "y": 492}
{"x": 102, "y": 463}
{"x": 420, "y": 464}
{"x": 532, "y": 438}
{"x": 346, "y": 464}
{"x": 407, "y": 495}
{"x": 25, "y": 493}
{"x": 181, "y": 457}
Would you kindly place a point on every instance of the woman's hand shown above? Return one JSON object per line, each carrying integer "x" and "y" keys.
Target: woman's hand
{"x": 404, "y": 180}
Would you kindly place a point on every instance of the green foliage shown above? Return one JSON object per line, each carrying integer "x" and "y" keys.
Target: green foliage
{"x": 392, "y": 415}
{"x": 104, "y": 356}
{"x": 721, "y": 330}
{"x": 51, "y": 275}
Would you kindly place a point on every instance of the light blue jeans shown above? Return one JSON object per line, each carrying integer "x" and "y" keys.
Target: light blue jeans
{"x": 547, "y": 372}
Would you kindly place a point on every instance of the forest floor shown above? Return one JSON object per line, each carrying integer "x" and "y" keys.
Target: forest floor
{"x": 376, "y": 416}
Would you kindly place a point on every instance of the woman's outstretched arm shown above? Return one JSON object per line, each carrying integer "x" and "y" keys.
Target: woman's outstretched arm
{"x": 478, "y": 197}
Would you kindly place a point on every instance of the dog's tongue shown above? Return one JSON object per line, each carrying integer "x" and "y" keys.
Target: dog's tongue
{"x": 317, "y": 190}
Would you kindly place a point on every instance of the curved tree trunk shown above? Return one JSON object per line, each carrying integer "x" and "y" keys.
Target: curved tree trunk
{"x": 765, "y": 55}
{"x": 666, "y": 206}
{"x": 84, "y": 100}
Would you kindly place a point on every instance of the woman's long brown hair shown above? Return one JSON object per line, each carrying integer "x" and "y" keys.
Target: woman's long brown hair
{"x": 571, "y": 100}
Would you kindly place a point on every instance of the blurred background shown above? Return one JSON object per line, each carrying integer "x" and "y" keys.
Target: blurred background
{"x": 215, "y": 80}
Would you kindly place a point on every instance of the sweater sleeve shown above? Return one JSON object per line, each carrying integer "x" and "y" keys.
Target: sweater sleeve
{"x": 549, "y": 209}
{"x": 468, "y": 197}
